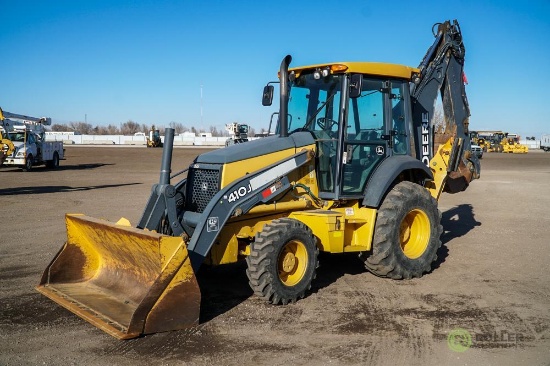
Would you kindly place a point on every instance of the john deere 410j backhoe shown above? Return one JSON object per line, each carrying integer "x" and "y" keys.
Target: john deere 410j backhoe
{"x": 354, "y": 167}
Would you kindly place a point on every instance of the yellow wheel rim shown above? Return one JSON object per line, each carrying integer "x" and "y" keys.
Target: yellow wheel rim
{"x": 292, "y": 263}
{"x": 415, "y": 234}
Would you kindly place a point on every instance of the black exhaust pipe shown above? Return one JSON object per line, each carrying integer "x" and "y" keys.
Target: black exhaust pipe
{"x": 166, "y": 161}
{"x": 283, "y": 105}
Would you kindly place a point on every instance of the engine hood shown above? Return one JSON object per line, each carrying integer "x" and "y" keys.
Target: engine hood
{"x": 256, "y": 148}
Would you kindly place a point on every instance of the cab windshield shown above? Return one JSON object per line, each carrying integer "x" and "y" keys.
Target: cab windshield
{"x": 314, "y": 104}
{"x": 17, "y": 136}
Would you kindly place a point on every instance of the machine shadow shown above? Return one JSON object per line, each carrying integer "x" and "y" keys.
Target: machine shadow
{"x": 37, "y": 169}
{"x": 225, "y": 287}
{"x": 222, "y": 288}
{"x": 334, "y": 266}
{"x": 457, "y": 221}
{"x": 82, "y": 166}
{"x": 56, "y": 189}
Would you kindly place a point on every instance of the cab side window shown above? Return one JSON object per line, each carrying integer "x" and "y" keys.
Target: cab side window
{"x": 398, "y": 119}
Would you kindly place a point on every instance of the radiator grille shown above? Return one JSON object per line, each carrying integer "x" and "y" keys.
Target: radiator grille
{"x": 204, "y": 184}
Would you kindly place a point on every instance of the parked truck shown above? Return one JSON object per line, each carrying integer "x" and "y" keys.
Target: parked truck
{"x": 27, "y": 135}
{"x": 238, "y": 132}
{"x": 545, "y": 143}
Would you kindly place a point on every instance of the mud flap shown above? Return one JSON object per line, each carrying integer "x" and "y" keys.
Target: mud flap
{"x": 125, "y": 281}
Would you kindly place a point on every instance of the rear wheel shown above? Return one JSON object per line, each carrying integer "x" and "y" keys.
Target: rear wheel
{"x": 407, "y": 233}
{"x": 282, "y": 261}
{"x": 54, "y": 163}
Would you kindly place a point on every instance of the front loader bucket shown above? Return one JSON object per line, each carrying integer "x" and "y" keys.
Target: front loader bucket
{"x": 125, "y": 281}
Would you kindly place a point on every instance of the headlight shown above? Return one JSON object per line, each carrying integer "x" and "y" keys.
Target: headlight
{"x": 20, "y": 154}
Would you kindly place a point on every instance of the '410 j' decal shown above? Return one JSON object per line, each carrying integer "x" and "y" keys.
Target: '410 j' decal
{"x": 238, "y": 193}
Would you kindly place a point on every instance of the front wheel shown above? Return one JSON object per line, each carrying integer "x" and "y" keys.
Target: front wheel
{"x": 28, "y": 163}
{"x": 406, "y": 234}
{"x": 282, "y": 261}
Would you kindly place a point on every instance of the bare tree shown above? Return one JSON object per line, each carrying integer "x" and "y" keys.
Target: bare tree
{"x": 103, "y": 130}
{"x": 178, "y": 127}
{"x": 214, "y": 131}
{"x": 129, "y": 128}
{"x": 60, "y": 127}
{"x": 82, "y": 127}
{"x": 438, "y": 120}
{"x": 112, "y": 130}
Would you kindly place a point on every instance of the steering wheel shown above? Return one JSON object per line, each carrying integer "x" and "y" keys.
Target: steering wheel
{"x": 326, "y": 123}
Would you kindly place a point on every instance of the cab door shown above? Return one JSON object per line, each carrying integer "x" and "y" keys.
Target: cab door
{"x": 365, "y": 137}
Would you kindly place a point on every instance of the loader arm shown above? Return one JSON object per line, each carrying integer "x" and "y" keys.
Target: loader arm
{"x": 261, "y": 186}
{"x": 203, "y": 228}
{"x": 442, "y": 70}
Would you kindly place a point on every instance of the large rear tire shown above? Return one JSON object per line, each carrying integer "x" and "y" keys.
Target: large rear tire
{"x": 282, "y": 261}
{"x": 406, "y": 234}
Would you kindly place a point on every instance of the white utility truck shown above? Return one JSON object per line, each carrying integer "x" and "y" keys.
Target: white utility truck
{"x": 28, "y": 136}
{"x": 238, "y": 132}
{"x": 545, "y": 143}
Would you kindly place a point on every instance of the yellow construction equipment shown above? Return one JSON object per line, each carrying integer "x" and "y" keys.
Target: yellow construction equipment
{"x": 498, "y": 141}
{"x": 6, "y": 149}
{"x": 489, "y": 141}
{"x": 6, "y": 145}
{"x": 510, "y": 144}
{"x": 353, "y": 167}
{"x": 154, "y": 140}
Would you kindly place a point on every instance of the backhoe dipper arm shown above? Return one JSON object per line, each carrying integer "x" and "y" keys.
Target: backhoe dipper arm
{"x": 442, "y": 70}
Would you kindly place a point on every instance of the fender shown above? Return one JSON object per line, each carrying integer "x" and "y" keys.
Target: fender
{"x": 384, "y": 176}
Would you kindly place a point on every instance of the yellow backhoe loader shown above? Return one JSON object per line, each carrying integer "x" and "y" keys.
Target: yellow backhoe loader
{"x": 154, "y": 140}
{"x": 353, "y": 167}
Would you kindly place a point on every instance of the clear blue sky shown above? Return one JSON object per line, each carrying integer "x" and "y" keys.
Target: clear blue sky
{"x": 111, "y": 61}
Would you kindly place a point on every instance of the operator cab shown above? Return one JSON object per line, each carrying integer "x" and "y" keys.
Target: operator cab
{"x": 356, "y": 119}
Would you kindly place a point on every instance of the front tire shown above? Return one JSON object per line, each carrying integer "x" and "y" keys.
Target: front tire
{"x": 282, "y": 261}
{"x": 28, "y": 164}
{"x": 406, "y": 234}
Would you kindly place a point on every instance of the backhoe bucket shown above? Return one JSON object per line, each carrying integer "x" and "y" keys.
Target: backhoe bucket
{"x": 125, "y": 281}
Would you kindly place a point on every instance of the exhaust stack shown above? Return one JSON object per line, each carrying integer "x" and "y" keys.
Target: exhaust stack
{"x": 283, "y": 105}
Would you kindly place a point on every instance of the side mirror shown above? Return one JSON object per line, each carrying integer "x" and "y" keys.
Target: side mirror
{"x": 355, "y": 85}
{"x": 267, "y": 97}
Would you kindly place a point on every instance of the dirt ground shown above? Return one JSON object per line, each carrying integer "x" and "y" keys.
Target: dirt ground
{"x": 490, "y": 289}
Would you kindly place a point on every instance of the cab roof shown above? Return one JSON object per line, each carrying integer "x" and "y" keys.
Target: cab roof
{"x": 370, "y": 68}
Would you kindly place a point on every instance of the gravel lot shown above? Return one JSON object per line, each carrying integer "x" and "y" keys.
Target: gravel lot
{"x": 491, "y": 282}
